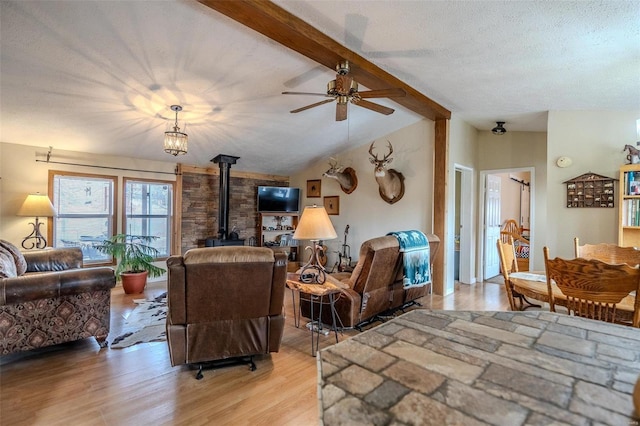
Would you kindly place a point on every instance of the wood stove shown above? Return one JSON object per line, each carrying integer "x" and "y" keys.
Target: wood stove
{"x": 224, "y": 162}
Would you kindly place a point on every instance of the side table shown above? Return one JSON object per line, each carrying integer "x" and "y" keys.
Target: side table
{"x": 316, "y": 293}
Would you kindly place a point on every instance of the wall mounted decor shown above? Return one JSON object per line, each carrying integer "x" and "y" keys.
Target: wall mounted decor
{"x": 314, "y": 188}
{"x": 591, "y": 190}
{"x": 634, "y": 154}
{"x": 390, "y": 181}
{"x": 345, "y": 176}
{"x": 332, "y": 204}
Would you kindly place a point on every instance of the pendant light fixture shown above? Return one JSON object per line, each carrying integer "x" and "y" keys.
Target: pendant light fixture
{"x": 175, "y": 141}
{"x": 499, "y": 130}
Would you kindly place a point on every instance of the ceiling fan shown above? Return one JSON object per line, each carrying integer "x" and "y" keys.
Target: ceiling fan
{"x": 344, "y": 89}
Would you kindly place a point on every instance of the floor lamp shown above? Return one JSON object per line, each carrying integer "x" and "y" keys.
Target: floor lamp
{"x": 315, "y": 226}
{"x": 37, "y": 205}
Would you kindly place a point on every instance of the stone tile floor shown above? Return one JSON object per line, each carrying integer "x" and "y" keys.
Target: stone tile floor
{"x": 468, "y": 368}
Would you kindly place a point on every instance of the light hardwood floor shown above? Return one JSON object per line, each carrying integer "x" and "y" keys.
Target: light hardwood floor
{"x": 80, "y": 384}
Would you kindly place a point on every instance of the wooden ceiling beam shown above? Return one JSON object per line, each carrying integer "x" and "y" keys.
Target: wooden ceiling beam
{"x": 281, "y": 26}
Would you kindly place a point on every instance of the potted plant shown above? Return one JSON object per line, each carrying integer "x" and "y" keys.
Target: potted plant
{"x": 134, "y": 257}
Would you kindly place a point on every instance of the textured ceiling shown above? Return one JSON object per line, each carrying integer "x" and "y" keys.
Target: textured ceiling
{"x": 100, "y": 76}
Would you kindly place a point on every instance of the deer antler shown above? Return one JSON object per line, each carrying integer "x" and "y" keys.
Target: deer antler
{"x": 375, "y": 157}
{"x": 333, "y": 163}
{"x": 390, "y": 151}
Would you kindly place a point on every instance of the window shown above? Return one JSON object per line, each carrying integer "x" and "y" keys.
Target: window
{"x": 85, "y": 212}
{"x": 148, "y": 210}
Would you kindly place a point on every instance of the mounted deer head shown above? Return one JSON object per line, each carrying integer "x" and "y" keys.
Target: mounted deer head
{"x": 390, "y": 181}
{"x": 346, "y": 177}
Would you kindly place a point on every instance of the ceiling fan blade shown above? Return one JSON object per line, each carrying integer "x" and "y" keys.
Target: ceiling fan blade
{"x": 341, "y": 111}
{"x": 375, "y": 107}
{"x": 305, "y": 93}
{"x": 311, "y": 106}
{"x": 383, "y": 93}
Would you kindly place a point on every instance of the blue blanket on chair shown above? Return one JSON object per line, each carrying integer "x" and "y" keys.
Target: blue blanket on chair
{"x": 414, "y": 247}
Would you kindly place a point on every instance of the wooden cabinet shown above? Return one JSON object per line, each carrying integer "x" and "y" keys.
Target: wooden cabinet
{"x": 275, "y": 230}
{"x": 629, "y": 212}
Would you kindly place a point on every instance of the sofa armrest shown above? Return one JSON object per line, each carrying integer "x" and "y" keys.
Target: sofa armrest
{"x": 47, "y": 285}
{"x": 55, "y": 259}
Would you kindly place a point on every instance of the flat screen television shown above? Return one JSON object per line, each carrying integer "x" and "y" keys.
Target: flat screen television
{"x": 280, "y": 199}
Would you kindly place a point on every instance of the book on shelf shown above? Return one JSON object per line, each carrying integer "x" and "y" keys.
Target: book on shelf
{"x": 632, "y": 183}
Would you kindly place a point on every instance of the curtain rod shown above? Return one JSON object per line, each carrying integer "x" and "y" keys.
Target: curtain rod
{"x": 175, "y": 172}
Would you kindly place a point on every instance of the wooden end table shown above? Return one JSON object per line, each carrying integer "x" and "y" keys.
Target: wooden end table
{"x": 315, "y": 292}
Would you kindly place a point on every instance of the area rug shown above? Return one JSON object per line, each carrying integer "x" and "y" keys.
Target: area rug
{"x": 147, "y": 323}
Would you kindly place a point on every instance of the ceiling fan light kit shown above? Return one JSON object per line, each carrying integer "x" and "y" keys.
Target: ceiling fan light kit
{"x": 344, "y": 89}
{"x": 499, "y": 129}
{"x": 175, "y": 141}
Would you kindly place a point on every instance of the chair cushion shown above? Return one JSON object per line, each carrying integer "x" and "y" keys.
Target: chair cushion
{"x": 522, "y": 251}
{"x": 16, "y": 256}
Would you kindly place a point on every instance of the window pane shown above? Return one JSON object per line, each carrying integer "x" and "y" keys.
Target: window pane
{"x": 157, "y": 226}
{"x": 84, "y": 205}
{"x": 81, "y": 195}
{"x": 85, "y": 233}
{"x": 148, "y": 208}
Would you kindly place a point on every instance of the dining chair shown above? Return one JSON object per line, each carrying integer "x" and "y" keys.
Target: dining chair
{"x": 518, "y": 289}
{"x": 510, "y": 229}
{"x": 609, "y": 253}
{"x": 593, "y": 288}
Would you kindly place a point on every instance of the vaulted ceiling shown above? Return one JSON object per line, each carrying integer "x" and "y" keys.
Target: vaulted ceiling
{"x": 101, "y": 76}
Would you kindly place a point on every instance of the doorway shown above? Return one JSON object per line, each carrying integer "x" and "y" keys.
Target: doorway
{"x": 514, "y": 201}
{"x": 462, "y": 230}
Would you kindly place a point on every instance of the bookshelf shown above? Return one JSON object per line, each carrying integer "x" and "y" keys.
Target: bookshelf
{"x": 276, "y": 230}
{"x": 629, "y": 212}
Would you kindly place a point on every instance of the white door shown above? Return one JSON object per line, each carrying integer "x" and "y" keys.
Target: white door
{"x": 492, "y": 226}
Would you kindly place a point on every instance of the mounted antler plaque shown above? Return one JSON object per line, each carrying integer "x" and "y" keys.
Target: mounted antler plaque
{"x": 390, "y": 181}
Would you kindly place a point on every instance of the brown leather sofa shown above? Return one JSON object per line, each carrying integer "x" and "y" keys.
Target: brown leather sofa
{"x": 225, "y": 303}
{"x": 52, "y": 299}
{"x": 375, "y": 285}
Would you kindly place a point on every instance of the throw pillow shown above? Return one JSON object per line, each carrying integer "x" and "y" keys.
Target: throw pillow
{"x": 7, "y": 264}
{"x": 18, "y": 257}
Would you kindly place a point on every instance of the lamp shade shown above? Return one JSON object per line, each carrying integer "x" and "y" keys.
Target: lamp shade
{"x": 37, "y": 205}
{"x": 315, "y": 225}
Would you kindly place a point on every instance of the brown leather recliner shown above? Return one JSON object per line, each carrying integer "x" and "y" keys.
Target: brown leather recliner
{"x": 225, "y": 303}
{"x": 375, "y": 285}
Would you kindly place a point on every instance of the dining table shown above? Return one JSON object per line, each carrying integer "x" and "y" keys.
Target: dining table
{"x": 477, "y": 368}
{"x": 536, "y": 282}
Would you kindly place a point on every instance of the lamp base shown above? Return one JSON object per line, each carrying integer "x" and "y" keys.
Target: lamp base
{"x": 313, "y": 272}
{"x": 40, "y": 241}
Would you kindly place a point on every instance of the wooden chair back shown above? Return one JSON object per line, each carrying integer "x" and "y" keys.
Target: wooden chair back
{"x": 508, "y": 264}
{"x": 592, "y": 287}
{"x": 510, "y": 228}
{"x": 608, "y": 253}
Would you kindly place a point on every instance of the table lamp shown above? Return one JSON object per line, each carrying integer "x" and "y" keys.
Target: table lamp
{"x": 37, "y": 205}
{"x": 314, "y": 225}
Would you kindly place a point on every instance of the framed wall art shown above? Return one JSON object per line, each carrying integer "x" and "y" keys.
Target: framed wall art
{"x": 313, "y": 188}
{"x": 332, "y": 204}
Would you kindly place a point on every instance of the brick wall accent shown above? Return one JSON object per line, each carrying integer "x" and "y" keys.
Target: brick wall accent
{"x": 200, "y": 204}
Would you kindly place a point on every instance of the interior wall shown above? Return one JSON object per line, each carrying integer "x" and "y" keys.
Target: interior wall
{"x": 509, "y": 197}
{"x": 594, "y": 141}
{"x": 201, "y": 201}
{"x": 463, "y": 152}
{"x": 21, "y": 175}
{"x": 515, "y": 150}
{"x": 366, "y": 213}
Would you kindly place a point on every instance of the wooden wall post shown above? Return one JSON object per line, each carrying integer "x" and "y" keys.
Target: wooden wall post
{"x": 440, "y": 175}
